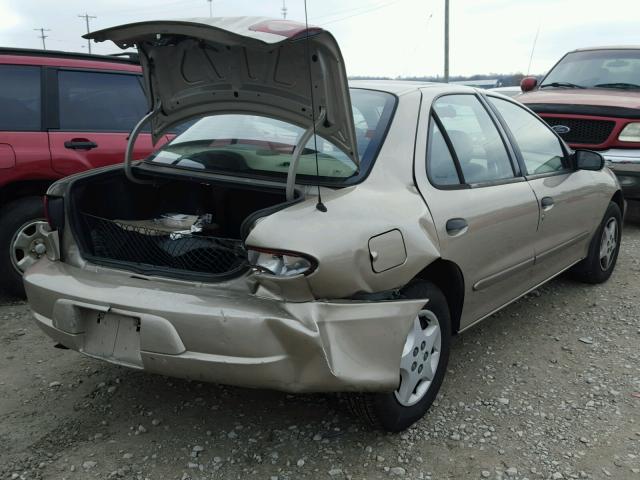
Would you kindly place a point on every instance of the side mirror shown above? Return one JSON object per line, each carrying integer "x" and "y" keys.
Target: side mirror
{"x": 528, "y": 83}
{"x": 588, "y": 160}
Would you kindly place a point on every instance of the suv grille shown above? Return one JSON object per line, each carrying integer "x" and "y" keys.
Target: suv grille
{"x": 592, "y": 132}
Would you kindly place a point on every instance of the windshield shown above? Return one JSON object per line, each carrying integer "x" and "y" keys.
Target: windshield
{"x": 251, "y": 145}
{"x": 597, "y": 68}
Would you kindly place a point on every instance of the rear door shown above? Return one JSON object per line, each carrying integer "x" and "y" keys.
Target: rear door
{"x": 24, "y": 150}
{"x": 570, "y": 204}
{"x": 92, "y": 113}
{"x": 485, "y": 213}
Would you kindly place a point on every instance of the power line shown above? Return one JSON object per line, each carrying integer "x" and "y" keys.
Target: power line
{"x": 350, "y": 10}
{"x": 210, "y": 8}
{"x": 365, "y": 12}
{"x": 42, "y": 35}
{"x": 86, "y": 17}
{"x": 284, "y": 10}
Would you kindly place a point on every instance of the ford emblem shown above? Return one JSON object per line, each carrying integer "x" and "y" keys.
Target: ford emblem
{"x": 561, "y": 129}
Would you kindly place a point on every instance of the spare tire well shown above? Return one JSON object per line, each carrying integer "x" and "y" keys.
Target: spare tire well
{"x": 448, "y": 277}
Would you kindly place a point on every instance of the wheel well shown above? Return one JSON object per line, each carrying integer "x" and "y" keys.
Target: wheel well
{"x": 448, "y": 277}
{"x": 619, "y": 199}
{"x": 16, "y": 190}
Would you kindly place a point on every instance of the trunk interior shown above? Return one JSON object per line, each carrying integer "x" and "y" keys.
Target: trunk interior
{"x": 178, "y": 227}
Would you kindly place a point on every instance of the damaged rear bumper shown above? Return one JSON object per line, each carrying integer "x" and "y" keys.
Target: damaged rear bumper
{"x": 221, "y": 333}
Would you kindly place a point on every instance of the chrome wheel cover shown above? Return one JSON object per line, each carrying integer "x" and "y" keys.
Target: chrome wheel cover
{"x": 420, "y": 359}
{"x": 27, "y": 244}
{"x": 608, "y": 243}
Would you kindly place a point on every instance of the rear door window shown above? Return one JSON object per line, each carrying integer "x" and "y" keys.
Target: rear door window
{"x": 540, "y": 148}
{"x": 441, "y": 167}
{"x": 95, "y": 101}
{"x": 20, "y": 98}
{"x": 478, "y": 146}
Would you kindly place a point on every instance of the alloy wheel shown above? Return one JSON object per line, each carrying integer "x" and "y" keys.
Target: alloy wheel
{"x": 608, "y": 243}
{"x": 28, "y": 245}
{"x": 420, "y": 359}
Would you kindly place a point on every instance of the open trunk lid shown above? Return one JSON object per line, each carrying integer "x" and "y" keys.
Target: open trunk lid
{"x": 253, "y": 65}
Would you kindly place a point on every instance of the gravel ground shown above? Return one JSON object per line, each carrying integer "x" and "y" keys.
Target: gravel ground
{"x": 547, "y": 389}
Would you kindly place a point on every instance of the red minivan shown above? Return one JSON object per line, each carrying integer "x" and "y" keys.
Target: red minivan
{"x": 60, "y": 113}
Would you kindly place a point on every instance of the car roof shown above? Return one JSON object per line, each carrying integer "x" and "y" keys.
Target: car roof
{"x": 26, "y": 56}
{"x": 402, "y": 87}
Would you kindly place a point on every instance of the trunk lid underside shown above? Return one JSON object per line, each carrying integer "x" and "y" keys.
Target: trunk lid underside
{"x": 275, "y": 68}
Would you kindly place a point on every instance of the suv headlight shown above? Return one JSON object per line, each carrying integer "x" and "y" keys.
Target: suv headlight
{"x": 281, "y": 263}
{"x": 630, "y": 133}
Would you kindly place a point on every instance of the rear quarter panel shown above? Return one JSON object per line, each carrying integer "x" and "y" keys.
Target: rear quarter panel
{"x": 339, "y": 238}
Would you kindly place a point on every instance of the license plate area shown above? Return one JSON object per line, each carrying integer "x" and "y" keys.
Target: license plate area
{"x": 114, "y": 337}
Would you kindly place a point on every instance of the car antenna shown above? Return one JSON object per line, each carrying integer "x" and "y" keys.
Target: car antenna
{"x": 319, "y": 206}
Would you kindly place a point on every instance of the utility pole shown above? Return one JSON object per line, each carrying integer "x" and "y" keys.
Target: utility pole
{"x": 210, "y": 8}
{"x": 446, "y": 41}
{"x": 86, "y": 17}
{"x": 42, "y": 35}
{"x": 284, "y": 10}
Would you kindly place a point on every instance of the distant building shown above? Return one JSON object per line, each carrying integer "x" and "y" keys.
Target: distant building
{"x": 490, "y": 83}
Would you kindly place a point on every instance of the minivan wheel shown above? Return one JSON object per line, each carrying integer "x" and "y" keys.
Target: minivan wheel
{"x": 603, "y": 249}
{"x": 422, "y": 367}
{"x": 21, "y": 241}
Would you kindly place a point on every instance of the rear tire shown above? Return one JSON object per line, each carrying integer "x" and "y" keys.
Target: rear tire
{"x": 14, "y": 217}
{"x": 603, "y": 249}
{"x": 386, "y": 410}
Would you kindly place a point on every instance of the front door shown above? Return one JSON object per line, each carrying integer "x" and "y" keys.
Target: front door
{"x": 569, "y": 199}
{"x": 96, "y": 112}
{"x": 486, "y": 214}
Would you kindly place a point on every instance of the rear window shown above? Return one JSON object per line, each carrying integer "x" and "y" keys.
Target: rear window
{"x": 95, "y": 101}
{"x": 250, "y": 145}
{"x": 20, "y": 102}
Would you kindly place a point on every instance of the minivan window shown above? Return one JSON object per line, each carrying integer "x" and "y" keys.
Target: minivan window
{"x": 20, "y": 100}
{"x": 252, "y": 145}
{"x": 540, "y": 148}
{"x": 95, "y": 101}
{"x": 478, "y": 145}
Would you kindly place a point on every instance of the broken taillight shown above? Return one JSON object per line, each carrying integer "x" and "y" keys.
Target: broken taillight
{"x": 281, "y": 263}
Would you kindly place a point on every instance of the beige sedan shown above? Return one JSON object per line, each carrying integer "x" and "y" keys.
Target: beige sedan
{"x": 251, "y": 252}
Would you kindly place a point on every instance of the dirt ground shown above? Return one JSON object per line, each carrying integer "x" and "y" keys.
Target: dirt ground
{"x": 547, "y": 389}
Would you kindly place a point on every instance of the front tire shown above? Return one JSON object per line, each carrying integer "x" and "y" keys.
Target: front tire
{"x": 603, "y": 249}
{"x": 422, "y": 367}
{"x": 20, "y": 241}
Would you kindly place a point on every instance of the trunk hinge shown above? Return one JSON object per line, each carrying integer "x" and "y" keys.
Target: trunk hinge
{"x": 130, "y": 144}
{"x": 297, "y": 152}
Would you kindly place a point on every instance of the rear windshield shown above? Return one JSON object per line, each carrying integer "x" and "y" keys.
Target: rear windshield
{"x": 250, "y": 145}
{"x": 599, "y": 69}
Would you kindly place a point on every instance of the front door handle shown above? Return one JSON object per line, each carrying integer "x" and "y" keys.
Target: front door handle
{"x": 456, "y": 226}
{"x": 547, "y": 203}
{"x": 80, "y": 144}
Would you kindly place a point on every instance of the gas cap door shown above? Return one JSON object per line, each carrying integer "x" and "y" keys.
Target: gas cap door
{"x": 387, "y": 251}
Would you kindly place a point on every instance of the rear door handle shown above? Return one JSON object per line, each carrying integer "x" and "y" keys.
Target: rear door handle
{"x": 457, "y": 226}
{"x": 80, "y": 144}
{"x": 547, "y": 203}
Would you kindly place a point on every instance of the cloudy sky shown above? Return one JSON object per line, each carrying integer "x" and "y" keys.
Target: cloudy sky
{"x": 378, "y": 37}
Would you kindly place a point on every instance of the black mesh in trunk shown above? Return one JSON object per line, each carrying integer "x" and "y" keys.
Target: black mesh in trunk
{"x": 147, "y": 248}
